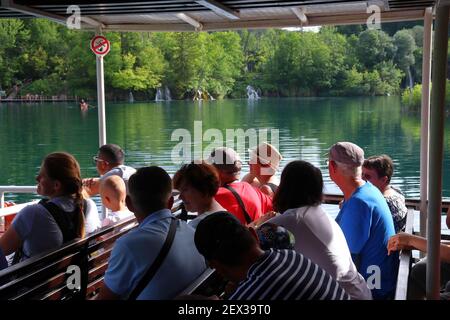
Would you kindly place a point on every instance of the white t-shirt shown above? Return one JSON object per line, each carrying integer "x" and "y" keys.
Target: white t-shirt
{"x": 122, "y": 171}
{"x": 116, "y": 216}
{"x": 319, "y": 238}
{"x": 91, "y": 218}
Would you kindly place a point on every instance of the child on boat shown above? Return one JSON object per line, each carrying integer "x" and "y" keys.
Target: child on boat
{"x": 113, "y": 193}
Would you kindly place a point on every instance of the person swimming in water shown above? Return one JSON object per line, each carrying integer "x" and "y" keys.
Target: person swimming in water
{"x": 83, "y": 105}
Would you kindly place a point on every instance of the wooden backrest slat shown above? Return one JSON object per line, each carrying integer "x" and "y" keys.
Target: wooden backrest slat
{"x": 57, "y": 281}
{"x": 100, "y": 258}
{"x": 41, "y": 274}
{"x": 405, "y": 262}
{"x": 97, "y": 271}
{"x": 94, "y": 286}
{"x": 43, "y": 277}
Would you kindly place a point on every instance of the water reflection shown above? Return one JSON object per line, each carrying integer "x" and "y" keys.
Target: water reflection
{"x": 307, "y": 128}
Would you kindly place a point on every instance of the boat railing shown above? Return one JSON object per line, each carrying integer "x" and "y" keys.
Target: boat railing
{"x": 412, "y": 203}
{"x": 14, "y": 189}
{"x": 7, "y": 211}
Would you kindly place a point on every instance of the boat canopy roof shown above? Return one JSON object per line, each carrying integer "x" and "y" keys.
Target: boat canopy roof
{"x": 210, "y": 15}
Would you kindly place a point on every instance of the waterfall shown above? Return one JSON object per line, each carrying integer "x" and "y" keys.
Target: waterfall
{"x": 251, "y": 93}
{"x": 130, "y": 97}
{"x": 411, "y": 84}
{"x": 167, "y": 93}
{"x": 159, "y": 95}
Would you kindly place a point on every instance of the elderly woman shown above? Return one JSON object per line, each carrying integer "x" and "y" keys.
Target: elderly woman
{"x": 198, "y": 184}
{"x": 264, "y": 162}
{"x": 378, "y": 170}
{"x": 54, "y": 220}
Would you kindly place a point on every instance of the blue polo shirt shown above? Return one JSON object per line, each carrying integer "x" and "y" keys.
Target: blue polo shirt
{"x": 367, "y": 224}
{"x": 134, "y": 252}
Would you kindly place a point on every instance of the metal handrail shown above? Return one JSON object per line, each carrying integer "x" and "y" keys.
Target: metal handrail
{"x": 14, "y": 189}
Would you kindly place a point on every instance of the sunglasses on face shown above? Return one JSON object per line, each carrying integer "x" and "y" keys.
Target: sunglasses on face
{"x": 97, "y": 159}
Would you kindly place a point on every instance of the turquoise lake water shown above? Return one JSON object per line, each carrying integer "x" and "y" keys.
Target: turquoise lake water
{"x": 307, "y": 128}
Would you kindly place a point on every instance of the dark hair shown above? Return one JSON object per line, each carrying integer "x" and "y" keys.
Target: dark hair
{"x": 203, "y": 177}
{"x": 222, "y": 237}
{"x": 301, "y": 184}
{"x": 64, "y": 167}
{"x": 112, "y": 153}
{"x": 382, "y": 164}
{"x": 273, "y": 236}
{"x": 150, "y": 188}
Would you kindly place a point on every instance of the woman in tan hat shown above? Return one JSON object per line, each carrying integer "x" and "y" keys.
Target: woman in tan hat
{"x": 264, "y": 162}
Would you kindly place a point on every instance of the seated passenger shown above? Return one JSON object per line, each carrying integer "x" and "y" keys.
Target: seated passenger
{"x": 378, "y": 170}
{"x": 240, "y": 198}
{"x": 3, "y": 262}
{"x": 233, "y": 250}
{"x": 150, "y": 198}
{"x": 113, "y": 193}
{"x": 318, "y": 237}
{"x": 365, "y": 219}
{"x": 264, "y": 162}
{"x": 417, "y": 276}
{"x": 198, "y": 184}
{"x": 57, "y": 219}
{"x": 91, "y": 217}
{"x": 109, "y": 161}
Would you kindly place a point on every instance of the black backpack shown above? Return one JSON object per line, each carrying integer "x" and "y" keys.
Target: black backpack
{"x": 66, "y": 222}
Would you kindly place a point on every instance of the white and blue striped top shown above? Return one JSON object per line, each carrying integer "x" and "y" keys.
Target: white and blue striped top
{"x": 287, "y": 275}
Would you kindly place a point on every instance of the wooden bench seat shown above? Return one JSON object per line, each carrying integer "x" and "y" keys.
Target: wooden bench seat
{"x": 45, "y": 276}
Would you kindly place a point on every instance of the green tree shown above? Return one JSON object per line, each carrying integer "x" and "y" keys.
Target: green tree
{"x": 373, "y": 47}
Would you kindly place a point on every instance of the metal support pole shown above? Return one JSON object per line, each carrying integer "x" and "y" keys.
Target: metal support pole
{"x": 101, "y": 102}
{"x": 425, "y": 115}
{"x": 101, "y": 106}
{"x": 437, "y": 113}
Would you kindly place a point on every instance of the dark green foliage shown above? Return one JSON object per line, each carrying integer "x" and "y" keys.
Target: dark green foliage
{"x": 41, "y": 57}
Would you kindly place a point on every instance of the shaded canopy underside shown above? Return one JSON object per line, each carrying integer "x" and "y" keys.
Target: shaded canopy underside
{"x": 210, "y": 15}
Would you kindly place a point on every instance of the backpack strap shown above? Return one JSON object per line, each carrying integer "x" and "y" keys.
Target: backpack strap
{"x": 151, "y": 271}
{"x": 247, "y": 217}
{"x": 64, "y": 220}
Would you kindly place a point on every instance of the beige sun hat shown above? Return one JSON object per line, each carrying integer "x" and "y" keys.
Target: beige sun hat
{"x": 266, "y": 154}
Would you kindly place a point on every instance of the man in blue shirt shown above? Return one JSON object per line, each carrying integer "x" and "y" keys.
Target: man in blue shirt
{"x": 365, "y": 220}
{"x": 150, "y": 198}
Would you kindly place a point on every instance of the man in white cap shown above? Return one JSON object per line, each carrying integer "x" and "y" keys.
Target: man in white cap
{"x": 241, "y": 199}
{"x": 264, "y": 162}
{"x": 365, "y": 220}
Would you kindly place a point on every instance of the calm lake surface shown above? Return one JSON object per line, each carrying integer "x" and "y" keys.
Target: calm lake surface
{"x": 307, "y": 128}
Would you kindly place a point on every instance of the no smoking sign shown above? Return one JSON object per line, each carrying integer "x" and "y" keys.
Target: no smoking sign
{"x": 100, "y": 45}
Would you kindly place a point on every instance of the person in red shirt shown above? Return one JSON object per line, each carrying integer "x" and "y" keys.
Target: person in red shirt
{"x": 241, "y": 199}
